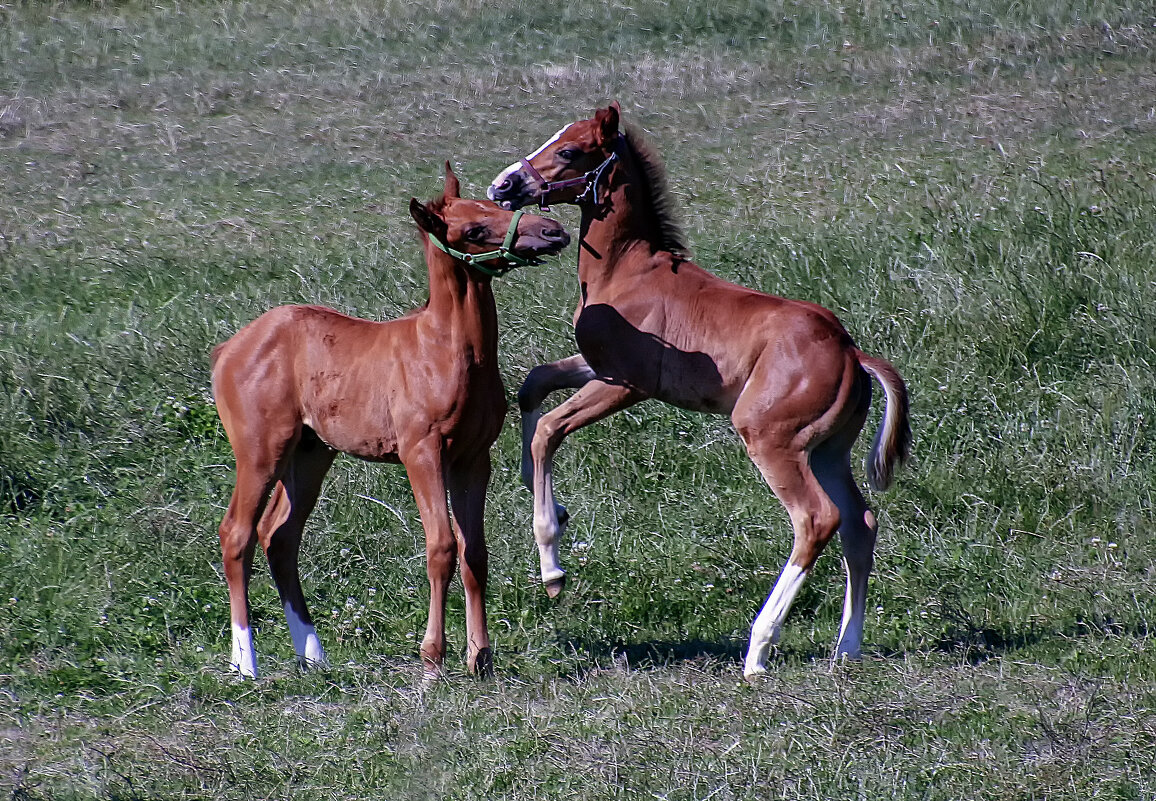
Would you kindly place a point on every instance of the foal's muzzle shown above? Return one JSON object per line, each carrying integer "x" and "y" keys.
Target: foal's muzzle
{"x": 512, "y": 190}
{"x": 545, "y": 241}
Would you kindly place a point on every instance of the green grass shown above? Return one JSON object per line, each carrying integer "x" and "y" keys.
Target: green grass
{"x": 971, "y": 188}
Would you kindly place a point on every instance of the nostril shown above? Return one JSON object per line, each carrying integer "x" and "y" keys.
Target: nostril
{"x": 556, "y": 234}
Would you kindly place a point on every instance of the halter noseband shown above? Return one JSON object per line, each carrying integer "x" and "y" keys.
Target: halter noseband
{"x": 589, "y": 180}
{"x": 504, "y": 252}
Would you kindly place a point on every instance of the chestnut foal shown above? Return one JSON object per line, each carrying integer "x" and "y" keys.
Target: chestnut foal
{"x": 301, "y": 383}
{"x": 652, "y": 324}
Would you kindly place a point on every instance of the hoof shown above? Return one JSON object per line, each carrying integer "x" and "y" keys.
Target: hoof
{"x": 430, "y": 675}
{"x": 242, "y": 672}
{"x": 554, "y": 587}
{"x": 848, "y": 655}
{"x": 431, "y": 665}
{"x": 481, "y": 664}
{"x": 754, "y": 674}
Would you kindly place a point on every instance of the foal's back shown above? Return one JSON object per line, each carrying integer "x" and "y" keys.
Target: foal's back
{"x": 686, "y": 336}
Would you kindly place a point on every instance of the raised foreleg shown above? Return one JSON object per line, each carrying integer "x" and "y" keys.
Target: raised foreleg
{"x": 594, "y": 401}
{"x": 467, "y": 486}
{"x": 570, "y": 373}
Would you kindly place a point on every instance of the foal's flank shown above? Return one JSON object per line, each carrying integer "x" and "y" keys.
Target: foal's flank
{"x": 300, "y": 384}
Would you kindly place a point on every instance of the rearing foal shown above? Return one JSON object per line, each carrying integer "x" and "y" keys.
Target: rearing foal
{"x": 652, "y": 324}
{"x": 301, "y": 383}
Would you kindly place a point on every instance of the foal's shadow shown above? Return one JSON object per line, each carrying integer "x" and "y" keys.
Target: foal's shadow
{"x": 622, "y": 354}
{"x": 972, "y": 645}
{"x": 598, "y": 655}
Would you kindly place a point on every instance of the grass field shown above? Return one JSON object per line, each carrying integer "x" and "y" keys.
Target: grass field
{"x": 972, "y": 189}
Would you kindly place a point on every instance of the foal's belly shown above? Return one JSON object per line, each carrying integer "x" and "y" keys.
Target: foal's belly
{"x": 378, "y": 426}
{"x": 371, "y": 438}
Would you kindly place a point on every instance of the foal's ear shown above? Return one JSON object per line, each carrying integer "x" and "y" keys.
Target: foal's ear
{"x": 607, "y": 120}
{"x": 426, "y": 219}
{"x": 453, "y": 186}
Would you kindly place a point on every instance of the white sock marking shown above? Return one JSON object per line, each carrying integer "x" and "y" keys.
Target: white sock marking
{"x": 244, "y": 659}
{"x": 850, "y": 642}
{"x": 769, "y": 622}
{"x": 546, "y": 527}
{"x": 305, "y": 641}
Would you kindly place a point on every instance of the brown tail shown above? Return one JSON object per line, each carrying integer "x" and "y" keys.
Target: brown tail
{"x": 892, "y": 443}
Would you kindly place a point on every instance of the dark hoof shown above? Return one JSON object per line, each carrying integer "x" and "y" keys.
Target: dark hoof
{"x": 482, "y": 664}
{"x": 554, "y": 588}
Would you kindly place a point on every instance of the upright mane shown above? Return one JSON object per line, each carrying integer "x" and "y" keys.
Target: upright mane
{"x": 671, "y": 236}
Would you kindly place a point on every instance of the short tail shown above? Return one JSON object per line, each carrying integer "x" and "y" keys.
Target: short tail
{"x": 892, "y": 443}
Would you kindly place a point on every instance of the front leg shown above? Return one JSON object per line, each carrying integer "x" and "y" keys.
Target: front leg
{"x": 594, "y": 401}
{"x": 424, "y": 465}
{"x": 570, "y": 373}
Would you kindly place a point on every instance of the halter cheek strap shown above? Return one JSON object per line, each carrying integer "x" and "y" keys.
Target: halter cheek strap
{"x": 590, "y": 180}
{"x": 503, "y": 253}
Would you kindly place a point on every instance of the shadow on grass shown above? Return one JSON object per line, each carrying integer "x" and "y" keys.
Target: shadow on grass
{"x": 593, "y": 656}
{"x": 973, "y": 645}
{"x": 976, "y": 645}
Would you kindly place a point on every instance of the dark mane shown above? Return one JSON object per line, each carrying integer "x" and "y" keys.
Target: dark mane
{"x": 671, "y": 236}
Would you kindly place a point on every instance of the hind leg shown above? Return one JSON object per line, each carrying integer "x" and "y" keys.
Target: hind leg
{"x": 814, "y": 518}
{"x": 467, "y": 486}
{"x": 279, "y": 532}
{"x": 257, "y": 473}
{"x": 857, "y": 532}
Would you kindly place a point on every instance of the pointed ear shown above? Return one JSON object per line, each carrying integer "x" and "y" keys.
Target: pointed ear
{"x": 426, "y": 219}
{"x": 607, "y": 120}
{"x": 453, "y": 186}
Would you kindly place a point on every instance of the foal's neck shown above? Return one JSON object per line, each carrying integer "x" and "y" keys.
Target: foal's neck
{"x": 623, "y": 222}
{"x": 461, "y": 303}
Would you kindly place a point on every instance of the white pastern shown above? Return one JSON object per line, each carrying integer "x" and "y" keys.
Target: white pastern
{"x": 546, "y": 527}
{"x": 546, "y": 531}
{"x": 548, "y": 557}
{"x": 244, "y": 659}
{"x": 850, "y": 643}
{"x": 305, "y": 641}
{"x": 769, "y": 622}
{"x": 517, "y": 165}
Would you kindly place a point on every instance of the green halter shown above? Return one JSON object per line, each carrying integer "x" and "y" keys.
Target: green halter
{"x": 503, "y": 253}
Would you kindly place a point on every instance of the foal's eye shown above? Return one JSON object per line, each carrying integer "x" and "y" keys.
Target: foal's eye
{"x": 569, "y": 153}
{"x": 476, "y": 233}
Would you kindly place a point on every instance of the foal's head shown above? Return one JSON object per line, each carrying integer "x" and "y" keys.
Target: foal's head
{"x": 568, "y": 166}
{"x": 485, "y": 236}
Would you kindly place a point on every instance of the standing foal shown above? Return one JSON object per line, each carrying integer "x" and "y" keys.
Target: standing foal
{"x": 653, "y": 324}
{"x": 301, "y": 383}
